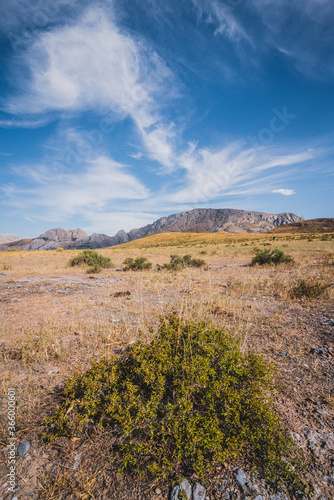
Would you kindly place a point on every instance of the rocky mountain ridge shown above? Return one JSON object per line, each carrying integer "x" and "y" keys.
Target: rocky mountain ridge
{"x": 200, "y": 220}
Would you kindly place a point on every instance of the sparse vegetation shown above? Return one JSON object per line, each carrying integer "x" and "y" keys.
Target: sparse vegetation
{"x": 177, "y": 263}
{"x": 176, "y": 405}
{"x": 309, "y": 289}
{"x": 93, "y": 259}
{"x": 275, "y": 256}
{"x": 37, "y": 348}
{"x": 138, "y": 264}
{"x": 59, "y": 249}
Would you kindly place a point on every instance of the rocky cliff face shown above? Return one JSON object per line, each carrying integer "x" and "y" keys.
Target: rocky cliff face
{"x": 201, "y": 220}
{"x": 208, "y": 220}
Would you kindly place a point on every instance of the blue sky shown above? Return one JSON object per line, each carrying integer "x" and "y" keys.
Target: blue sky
{"x": 116, "y": 112}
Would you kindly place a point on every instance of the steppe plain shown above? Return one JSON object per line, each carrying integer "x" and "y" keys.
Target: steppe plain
{"x": 56, "y": 319}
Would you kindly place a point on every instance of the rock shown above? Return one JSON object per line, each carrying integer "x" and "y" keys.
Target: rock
{"x": 158, "y": 491}
{"x": 226, "y": 496}
{"x": 322, "y": 411}
{"x": 283, "y": 353}
{"x": 175, "y": 493}
{"x": 319, "y": 351}
{"x": 23, "y": 448}
{"x": 53, "y": 372}
{"x": 198, "y": 492}
{"x": 241, "y": 479}
{"x": 186, "y": 487}
{"x": 122, "y": 294}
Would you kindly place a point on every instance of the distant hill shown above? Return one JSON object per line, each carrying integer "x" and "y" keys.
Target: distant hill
{"x": 199, "y": 220}
{"x": 307, "y": 226}
{"x": 8, "y": 239}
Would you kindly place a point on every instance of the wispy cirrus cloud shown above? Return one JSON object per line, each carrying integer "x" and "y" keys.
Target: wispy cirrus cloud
{"x": 91, "y": 64}
{"x": 233, "y": 169}
{"x": 25, "y": 123}
{"x": 99, "y": 183}
{"x": 226, "y": 22}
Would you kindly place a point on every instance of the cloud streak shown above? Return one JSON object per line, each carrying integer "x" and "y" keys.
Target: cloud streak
{"x": 91, "y": 64}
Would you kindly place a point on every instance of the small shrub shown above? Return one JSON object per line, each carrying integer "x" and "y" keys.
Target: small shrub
{"x": 59, "y": 249}
{"x": 14, "y": 250}
{"x": 267, "y": 256}
{"x": 309, "y": 289}
{"x": 180, "y": 403}
{"x": 138, "y": 264}
{"x": 177, "y": 263}
{"x": 93, "y": 259}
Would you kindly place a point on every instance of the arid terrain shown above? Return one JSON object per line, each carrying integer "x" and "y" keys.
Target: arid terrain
{"x": 56, "y": 319}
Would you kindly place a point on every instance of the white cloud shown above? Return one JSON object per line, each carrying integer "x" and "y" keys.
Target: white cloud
{"x": 24, "y": 123}
{"x": 99, "y": 184}
{"x": 231, "y": 170}
{"x": 285, "y": 192}
{"x": 220, "y": 14}
{"x": 92, "y": 64}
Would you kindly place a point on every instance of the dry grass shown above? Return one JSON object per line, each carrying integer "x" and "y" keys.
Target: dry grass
{"x": 55, "y": 319}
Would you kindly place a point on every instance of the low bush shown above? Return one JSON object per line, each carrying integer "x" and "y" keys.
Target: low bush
{"x": 176, "y": 262}
{"x": 59, "y": 249}
{"x": 138, "y": 264}
{"x": 187, "y": 400}
{"x": 267, "y": 256}
{"x": 91, "y": 258}
{"x": 309, "y": 289}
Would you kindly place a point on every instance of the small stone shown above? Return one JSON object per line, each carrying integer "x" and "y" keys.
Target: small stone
{"x": 175, "y": 493}
{"x": 259, "y": 497}
{"x": 186, "y": 487}
{"x": 226, "y": 496}
{"x": 322, "y": 411}
{"x": 198, "y": 492}
{"x": 158, "y": 491}
{"x": 241, "y": 479}
{"x": 23, "y": 448}
{"x": 319, "y": 351}
{"x": 283, "y": 353}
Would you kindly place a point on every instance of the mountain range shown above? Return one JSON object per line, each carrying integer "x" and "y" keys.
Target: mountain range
{"x": 200, "y": 220}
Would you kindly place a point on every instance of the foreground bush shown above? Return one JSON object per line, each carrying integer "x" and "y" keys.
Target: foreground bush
{"x": 309, "y": 289}
{"x": 138, "y": 264}
{"x": 176, "y": 262}
{"x": 91, "y": 258}
{"x": 188, "y": 399}
{"x": 274, "y": 256}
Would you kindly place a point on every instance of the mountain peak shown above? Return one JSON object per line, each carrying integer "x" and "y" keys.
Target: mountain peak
{"x": 198, "y": 220}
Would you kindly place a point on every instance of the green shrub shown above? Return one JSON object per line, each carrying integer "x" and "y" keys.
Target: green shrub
{"x": 176, "y": 262}
{"x": 138, "y": 264}
{"x": 274, "y": 256}
{"x": 59, "y": 249}
{"x": 180, "y": 403}
{"x": 14, "y": 250}
{"x": 91, "y": 258}
{"x": 309, "y": 289}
